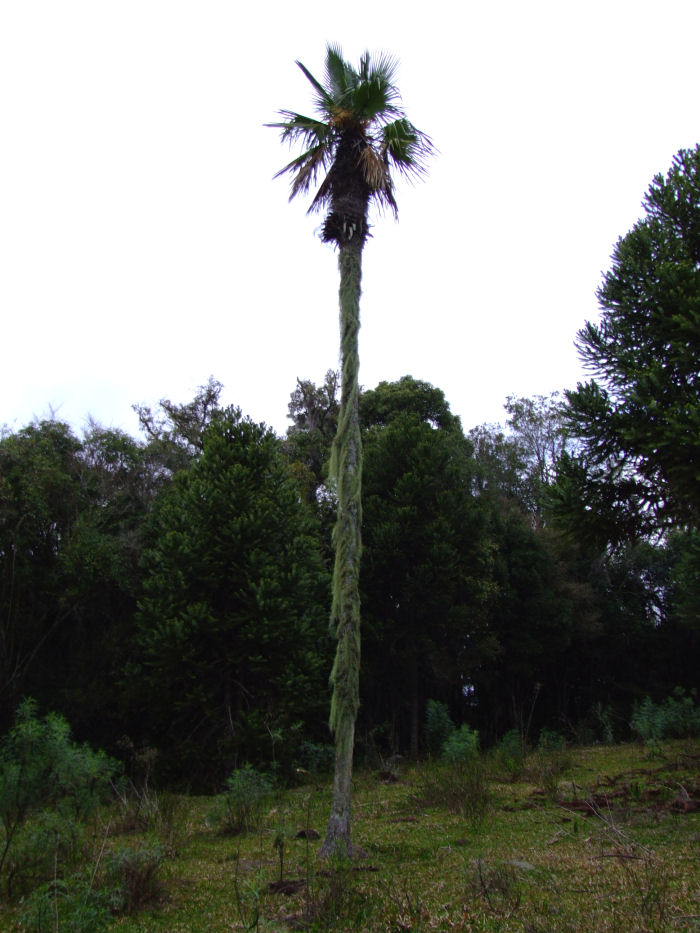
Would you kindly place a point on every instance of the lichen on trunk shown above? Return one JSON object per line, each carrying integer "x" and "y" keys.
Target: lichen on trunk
{"x": 346, "y": 467}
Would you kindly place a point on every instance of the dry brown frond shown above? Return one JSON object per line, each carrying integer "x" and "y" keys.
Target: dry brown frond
{"x": 307, "y": 173}
{"x": 374, "y": 169}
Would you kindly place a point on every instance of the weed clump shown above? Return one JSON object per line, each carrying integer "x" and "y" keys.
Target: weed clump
{"x": 134, "y": 875}
{"x": 462, "y": 789}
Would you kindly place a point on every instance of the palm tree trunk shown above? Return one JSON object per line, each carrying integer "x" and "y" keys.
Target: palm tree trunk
{"x": 346, "y": 467}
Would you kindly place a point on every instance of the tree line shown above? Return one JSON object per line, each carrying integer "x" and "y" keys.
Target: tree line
{"x": 173, "y": 591}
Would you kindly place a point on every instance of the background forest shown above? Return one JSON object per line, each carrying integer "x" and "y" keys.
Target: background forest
{"x": 172, "y": 591}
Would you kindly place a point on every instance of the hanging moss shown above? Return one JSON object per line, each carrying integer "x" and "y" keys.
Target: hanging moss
{"x": 346, "y": 467}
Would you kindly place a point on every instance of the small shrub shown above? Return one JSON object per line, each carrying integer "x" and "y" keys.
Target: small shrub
{"x": 550, "y": 741}
{"x": 462, "y": 789}
{"x": 510, "y": 754}
{"x": 552, "y": 762}
{"x": 48, "y": 787}
{"x": 604, "y": 717}
{"x": 438, "y": 727}
{"x": 240, "y": 805}
{"x": 46, "y": 841}
{"x": 550, "y": 770}
{"x": 66, "y": 905}
{"x": 134, "y": 876}
{"x": 476, "y": 795}
{"x": 461, "y": 746}
{"x": 677, "y": 717}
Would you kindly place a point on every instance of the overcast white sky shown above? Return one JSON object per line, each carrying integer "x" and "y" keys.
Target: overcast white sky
{"x": 144, "y": 245}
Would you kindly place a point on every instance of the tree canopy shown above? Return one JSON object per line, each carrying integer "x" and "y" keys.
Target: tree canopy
{"x": 639, "y": 421}
{"x": 232, "y": 618}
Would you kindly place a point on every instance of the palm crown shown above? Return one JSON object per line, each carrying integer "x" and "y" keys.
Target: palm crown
{"x": 362, "y": 135}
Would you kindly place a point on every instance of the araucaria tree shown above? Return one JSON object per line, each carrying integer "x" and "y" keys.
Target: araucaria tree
{"x": 360, "y": 134}
{"x": 640, "y": 423}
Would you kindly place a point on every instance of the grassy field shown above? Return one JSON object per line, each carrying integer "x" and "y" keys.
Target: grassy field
{"x": 603, "y": 838}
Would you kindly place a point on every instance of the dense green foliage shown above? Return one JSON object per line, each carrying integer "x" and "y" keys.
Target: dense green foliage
{"x": 438, "y": 726}
{"x": 536, "y": 583}
{"x": 71, "y": 520}
{"x": 461, "y": 746}
{"x": 49, "y": 786}
{"x": 232, "y": 620}
{"x": 475, "y": 596}
{"x": 169, "y": 596}
{"x": 426, "y": 559}
{"x": 677, "y": 717}
{"x": 639, "y": 425}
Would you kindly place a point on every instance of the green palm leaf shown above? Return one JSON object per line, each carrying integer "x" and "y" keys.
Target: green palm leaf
{"x": 324, "y": 101}
{"x": 340, "y": 76}
{"x": 406, "y": 147}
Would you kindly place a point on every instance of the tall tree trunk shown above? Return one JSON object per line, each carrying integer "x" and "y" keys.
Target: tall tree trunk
{"x": 346, "y": 466}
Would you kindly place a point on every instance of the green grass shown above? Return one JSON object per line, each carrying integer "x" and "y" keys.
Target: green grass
{"x": 587, "y": 839}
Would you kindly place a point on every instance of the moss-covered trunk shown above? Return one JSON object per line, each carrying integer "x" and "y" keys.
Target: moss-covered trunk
{"x": 346, "y": 466}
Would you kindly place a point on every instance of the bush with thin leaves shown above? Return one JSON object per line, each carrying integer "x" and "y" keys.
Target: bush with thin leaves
{"x": 239, "y": 808}
{"x": 49, "y": 786}
{"x": 677, "y": 717}
{"x": 461, "y": 746}
{"x": 510, "y": 753}
{"x": 71, "y": 904}
{"x": 438, "y": 726}
{"x": 135, "y": 876}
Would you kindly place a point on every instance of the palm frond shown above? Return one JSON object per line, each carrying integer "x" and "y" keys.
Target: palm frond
{"x": 374, "y": 100}
{"x": 316, "y": 159}
{"x": 340, "y": 76}
{"x": 374, "y": 168}
{"x": 325, "y": 192}
{"x": 324, "y": 101}
{"x": 384, "y": 197}
{"x": 406, "y": 147}
{"x": 363, "y": 70}
{"x": 296, "y": 128}
{"x": 384, "y": 67}
{"x": 305, "y": 168}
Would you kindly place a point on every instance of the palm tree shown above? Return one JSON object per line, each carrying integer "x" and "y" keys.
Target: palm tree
{"x": 360, "y": 135}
